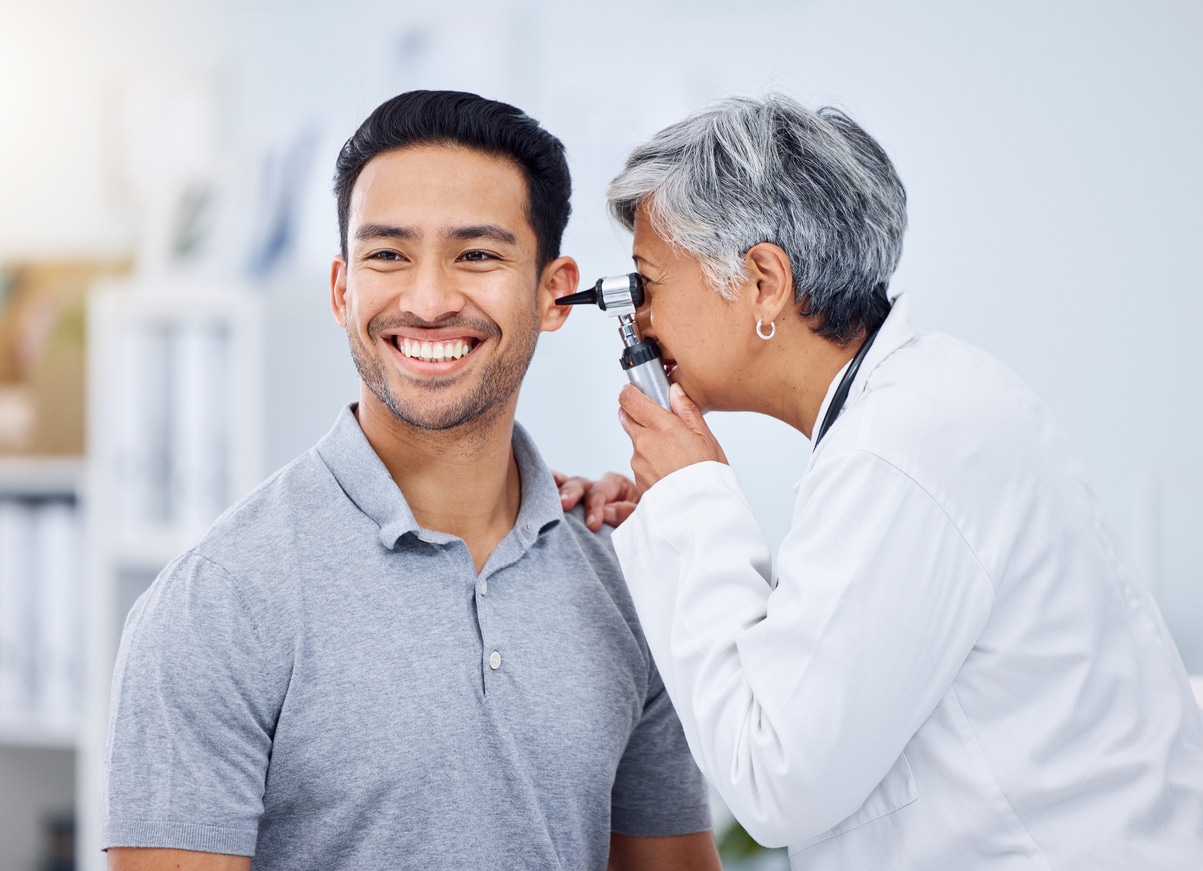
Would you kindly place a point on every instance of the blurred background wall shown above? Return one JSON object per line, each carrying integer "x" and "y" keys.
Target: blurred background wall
{"x": 1050, "y": 151}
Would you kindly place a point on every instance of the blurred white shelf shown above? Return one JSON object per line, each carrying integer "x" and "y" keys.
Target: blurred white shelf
{"x": 37, "y": 478}
{"x": 40, "y": 476}
{"x": 132, "y": 328}
{"x": 147, "y": 550}
{"x": 37, "y": 733}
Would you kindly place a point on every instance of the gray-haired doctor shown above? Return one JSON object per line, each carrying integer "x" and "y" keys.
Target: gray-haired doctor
{"x": 952, "y": 667}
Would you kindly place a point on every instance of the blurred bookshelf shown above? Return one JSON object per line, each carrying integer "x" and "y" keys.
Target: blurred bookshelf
{"x": 174, "y": 435}
{"x": 41, "y": 539}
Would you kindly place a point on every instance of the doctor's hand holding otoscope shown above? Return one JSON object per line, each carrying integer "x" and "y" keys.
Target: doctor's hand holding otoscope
{"x": 612, "y": 498}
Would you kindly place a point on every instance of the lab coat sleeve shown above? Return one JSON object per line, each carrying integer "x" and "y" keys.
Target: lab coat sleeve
{"x": 798, "y": 698}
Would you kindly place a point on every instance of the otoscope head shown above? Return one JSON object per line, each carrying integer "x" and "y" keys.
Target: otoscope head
{"x": 616, "y": 295}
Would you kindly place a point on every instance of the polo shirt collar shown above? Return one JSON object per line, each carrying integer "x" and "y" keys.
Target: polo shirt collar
{"x": 364, "y": 478}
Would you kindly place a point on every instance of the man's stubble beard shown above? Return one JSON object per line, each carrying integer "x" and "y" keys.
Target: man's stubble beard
{"x": 500, "y": 380}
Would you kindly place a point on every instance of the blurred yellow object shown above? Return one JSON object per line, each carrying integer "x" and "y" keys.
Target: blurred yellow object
{"x": 43, "y": 352}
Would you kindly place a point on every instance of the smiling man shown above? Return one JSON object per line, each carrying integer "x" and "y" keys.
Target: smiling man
{"x": 400, "y": 652}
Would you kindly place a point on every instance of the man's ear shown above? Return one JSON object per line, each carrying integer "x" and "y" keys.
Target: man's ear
{"x": 560, "y": 278}
{"x": 770, "y": 280}
{"x": 338, "y": 290}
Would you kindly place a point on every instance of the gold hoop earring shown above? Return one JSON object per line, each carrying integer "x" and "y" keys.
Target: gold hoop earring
{"x": 772, "y": 329}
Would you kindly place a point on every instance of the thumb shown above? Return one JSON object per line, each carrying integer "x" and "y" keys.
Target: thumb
{"x": 685, "y": 408}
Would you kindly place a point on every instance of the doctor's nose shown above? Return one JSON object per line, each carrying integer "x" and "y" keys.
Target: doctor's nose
{"x": 643, "y": 319}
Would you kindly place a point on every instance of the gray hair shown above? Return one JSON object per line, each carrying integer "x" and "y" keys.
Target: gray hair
{"x": 746, "y": 171}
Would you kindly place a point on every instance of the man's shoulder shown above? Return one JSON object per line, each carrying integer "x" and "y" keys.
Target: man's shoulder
{"x": 290, "y": 507}
{"x": 596, "y": 549}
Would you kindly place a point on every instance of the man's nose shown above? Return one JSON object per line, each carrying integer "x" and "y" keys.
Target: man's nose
{"x": 431, "y": 293}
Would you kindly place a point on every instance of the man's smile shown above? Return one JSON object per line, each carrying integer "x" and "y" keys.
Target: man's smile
{"x": 436, "y": 350}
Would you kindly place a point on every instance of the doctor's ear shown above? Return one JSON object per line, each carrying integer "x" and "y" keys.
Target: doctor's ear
{"x": 771, "y": 277}
{"x": 560, "y": 278}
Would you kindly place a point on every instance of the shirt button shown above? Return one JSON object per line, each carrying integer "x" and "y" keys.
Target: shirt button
{"x": 494, "y": 660}
{"x": 484, "y": 588}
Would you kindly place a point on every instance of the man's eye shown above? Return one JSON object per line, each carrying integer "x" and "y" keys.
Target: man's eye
{"x": 477, "y": 256}
{"x": 384, "y": 255}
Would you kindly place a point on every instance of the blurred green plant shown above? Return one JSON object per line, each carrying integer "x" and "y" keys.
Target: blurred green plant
{"x": 739, "y": 851}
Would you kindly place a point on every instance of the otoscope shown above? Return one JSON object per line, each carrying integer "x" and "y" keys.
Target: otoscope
{"x": 620, "y": 296}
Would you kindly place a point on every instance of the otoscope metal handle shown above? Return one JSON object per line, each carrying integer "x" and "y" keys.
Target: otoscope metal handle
{"x": 645, "y": 370}
{"x": 650, "y": 378}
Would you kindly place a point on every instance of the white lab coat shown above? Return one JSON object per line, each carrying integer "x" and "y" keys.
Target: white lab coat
{"x": 953, "y": 668}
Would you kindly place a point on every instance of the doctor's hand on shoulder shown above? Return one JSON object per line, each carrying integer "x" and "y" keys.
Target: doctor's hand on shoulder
{"x": 664, "y": 442}
{"x": 610, "y": 499}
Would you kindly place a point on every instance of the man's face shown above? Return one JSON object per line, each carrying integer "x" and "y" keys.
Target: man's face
{"x": 440, "y": 292}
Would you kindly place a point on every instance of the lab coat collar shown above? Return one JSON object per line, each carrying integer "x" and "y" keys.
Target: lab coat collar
{"x": 895, "y": 332}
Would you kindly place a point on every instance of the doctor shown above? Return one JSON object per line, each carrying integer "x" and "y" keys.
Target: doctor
{"x": 951, "y": 666}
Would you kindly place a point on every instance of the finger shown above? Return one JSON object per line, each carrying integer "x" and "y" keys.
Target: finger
{"x": 617, "y": 512}
{"x": 641, "y": 409}
{"x": 558, "y": 477}
{"x": 571, "y": 492}
{"x": 619, "y": 487}
{"x": 686, "y": 409}
{"x": 626, "y": 422}
{"x": 623, "y": 510}
{"x": 611, "y": 485}
{"x": 595, "y": 504}
{"x": 690, "y": 415}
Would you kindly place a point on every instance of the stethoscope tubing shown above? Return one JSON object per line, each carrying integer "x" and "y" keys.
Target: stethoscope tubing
{"x": 841, "y": 392}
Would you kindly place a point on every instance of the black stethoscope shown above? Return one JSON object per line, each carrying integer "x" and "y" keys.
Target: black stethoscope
{"x": 841, "y": 392}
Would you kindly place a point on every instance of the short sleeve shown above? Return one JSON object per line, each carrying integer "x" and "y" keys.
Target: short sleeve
{"x": 193, "y": 710}
{"x": 658, "y": 790}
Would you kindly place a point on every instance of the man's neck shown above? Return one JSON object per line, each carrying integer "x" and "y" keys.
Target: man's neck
{"x": 462, "y": 481}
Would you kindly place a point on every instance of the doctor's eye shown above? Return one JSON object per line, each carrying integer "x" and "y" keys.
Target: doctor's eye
{"x": 645, "y": 287}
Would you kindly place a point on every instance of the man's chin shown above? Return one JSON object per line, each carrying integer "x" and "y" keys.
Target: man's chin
{"x": 469, "y": 412}
{"x": 444, "y": 405}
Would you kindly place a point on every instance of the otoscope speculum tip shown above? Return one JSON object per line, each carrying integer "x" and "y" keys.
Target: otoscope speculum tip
{"x": 589, "y": 295}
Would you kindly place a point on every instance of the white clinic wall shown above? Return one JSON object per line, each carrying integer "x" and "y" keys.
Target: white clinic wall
{"x": 1049, "y": 150}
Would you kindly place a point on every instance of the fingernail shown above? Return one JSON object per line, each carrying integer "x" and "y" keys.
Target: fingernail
{"x": 676, "y": 389}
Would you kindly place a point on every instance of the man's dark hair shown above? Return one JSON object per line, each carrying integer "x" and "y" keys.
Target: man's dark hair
{"x": 455, "y": 118}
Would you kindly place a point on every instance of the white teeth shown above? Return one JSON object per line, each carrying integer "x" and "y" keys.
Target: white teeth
{"x": 435, "y": 352}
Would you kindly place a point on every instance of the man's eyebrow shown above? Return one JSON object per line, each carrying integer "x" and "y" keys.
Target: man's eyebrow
{"x": 483, "y": 231}
{"x": 384, "y": 231}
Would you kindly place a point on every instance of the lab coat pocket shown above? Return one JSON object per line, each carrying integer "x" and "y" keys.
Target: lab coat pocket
{"x": 896, "y": 790}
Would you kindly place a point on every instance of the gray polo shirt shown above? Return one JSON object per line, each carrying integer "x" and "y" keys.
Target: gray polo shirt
{"x": 324, "y": 684}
